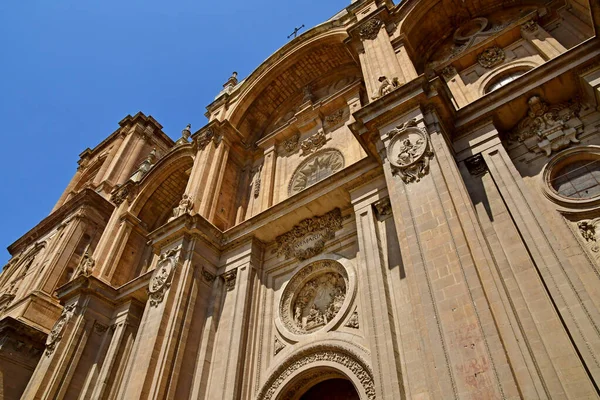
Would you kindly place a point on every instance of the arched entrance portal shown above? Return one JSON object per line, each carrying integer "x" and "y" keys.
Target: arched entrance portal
{"x": 332, "y": 389}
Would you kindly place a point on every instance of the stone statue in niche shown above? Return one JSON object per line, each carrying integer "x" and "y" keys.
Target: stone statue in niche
{"x": 185, "y": 207}
{"x": 319, "y": 301}
{"x": 386, "y": 87}
{"x": 548, "y": 128}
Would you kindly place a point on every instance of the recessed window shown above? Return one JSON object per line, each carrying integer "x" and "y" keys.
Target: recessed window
{"x": 504, "y": 80}
{"x": 578, "y": 180}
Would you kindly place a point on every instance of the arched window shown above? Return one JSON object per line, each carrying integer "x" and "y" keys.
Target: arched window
{"x": 504, "y": 79}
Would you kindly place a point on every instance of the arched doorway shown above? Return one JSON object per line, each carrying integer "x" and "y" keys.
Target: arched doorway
{"x": 332, "y": 389}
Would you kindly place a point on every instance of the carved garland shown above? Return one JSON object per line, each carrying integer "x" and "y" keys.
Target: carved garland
{"x": 308, "y": 238}
{"x": 319, "y": 354}
{"x": 161, "y": 280}
{"x": 409, "y": 152}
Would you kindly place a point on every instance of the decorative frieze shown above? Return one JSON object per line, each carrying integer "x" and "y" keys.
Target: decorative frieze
{"x": 58, "y": 329}
{"x": 229, "y": 278}
{"x": 313, "y": 143}
{"x": 409, "y": 152}
{"x": 308, "y": 238}
{"x": 548, "y": 128}
{"x": 491, "y": 57}
{"x": 186, "y": 205}
{"x": 386, "y": 87}
{"x": 161, "y": 279}
{"x": 370, "y": 29}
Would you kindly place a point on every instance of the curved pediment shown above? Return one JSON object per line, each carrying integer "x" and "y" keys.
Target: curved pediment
{"x": 312, "y": 61}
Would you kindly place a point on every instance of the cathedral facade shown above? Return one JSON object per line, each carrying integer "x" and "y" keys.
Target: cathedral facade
{"x": 400, "y": 203}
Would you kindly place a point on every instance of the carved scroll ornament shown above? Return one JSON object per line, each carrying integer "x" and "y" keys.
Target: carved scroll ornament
{"x": 58, "y": 329}
{"x": 308, "y": 238}
{"x": 313, "y": 143}
{"x": 548, "y": 128}
{"x": 409, "y": 152}
{"x": 161, "y": 280}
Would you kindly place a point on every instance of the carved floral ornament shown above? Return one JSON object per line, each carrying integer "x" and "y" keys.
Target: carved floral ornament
{"x": 308, "y": 238}
{"x": 161, "y": 279}
{"x": 58, "y": 329}
{"x": 587, "y": 230}
{"x": 313, "y": 143}
{"x": 409, "y": 152}
{"x": 547, "y": 128}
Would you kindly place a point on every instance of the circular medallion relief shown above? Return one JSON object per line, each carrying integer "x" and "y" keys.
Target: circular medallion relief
{"x": 407, "y": 147}
{"x": 315, "y": 297}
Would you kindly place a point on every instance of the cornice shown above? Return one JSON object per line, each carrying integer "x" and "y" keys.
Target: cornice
{"x": 86, "y": 197}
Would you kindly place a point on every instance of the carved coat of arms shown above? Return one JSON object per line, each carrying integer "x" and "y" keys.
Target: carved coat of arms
{"x": 409, "y": 152}
{"x": 161, "y": 280}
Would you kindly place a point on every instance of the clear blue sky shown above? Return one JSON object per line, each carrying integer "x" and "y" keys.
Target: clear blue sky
{"x": 70, "y": 70}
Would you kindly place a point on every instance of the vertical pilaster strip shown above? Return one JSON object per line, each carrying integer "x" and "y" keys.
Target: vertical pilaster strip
{"x": 381, "y": 331}
{"x": 539, "y": 38}
{"x": 268, "y": 178}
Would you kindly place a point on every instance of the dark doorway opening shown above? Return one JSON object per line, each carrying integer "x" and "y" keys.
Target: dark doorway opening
{"x": 332, "y": 389}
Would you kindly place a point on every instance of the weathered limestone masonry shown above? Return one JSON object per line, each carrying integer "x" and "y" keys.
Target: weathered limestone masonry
{"x": 401, "y": 203}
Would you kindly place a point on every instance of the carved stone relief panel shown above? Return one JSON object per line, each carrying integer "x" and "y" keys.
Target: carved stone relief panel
{"x": 313, "y": 143}
{"x": 314, "y": 297}
{"x": 161, "y": 279}
{"x": 314, "y": 169}
{"x": 547, "y": 128}
{"x": 308, "y": 238}
{"x": 409, "y": 152}
{"x": 491, "y": 57}
{"x": 588, "y": 230}
{"x": 58, "y": 329}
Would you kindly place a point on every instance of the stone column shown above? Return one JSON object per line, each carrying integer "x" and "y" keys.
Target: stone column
{"x": 268, "y": 177}
{"x": 153, "y": 366}
{"x": 547, "y": 274}
{"x": 546, "y": 45}
{"x": 465, "y": 356}
{"x": 374, "y": 291}
{"x": 378, "y": 59}
{"x": 229, "y": 354}
{"x": 116, "y": 146}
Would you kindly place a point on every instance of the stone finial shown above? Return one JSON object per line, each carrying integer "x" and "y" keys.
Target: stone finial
{"x": 232, "y": 81}
{"x": 186, "y": 132}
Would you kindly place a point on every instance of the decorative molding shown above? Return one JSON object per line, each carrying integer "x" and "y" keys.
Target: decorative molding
{"x": 547, "y": 128}
{"x": 99, "y": 328}
{"x": 206, "y": 137}
{"x": 230, "y": 277}
{"x": 291, "y": 144}
{"x": 383, "y": 208}
{"x": 278, "y": 346}
{"x": 353, "y": 321}
{"x": 529, "y": 27}
{"x": 334, "y": 118}
{"x": 319, "y": 354}
{"x": 186, "y": 205}
{"x": 208, "y": 277}
{"x": 123, "y": 192}
{"x": 491, "y": 57}
{"x": 370, "y": 29}
{"x": 307, "y": 239}
{"x": 409, "y": 152}
{"x": 476, "y": 165}
{"x": 386, "y": 87}
{"x": 58, "y": 329}
{"x": 313, "y": 143}
{"x": 161, "y": 279}
{"x": 307, "y": 173}
{"x": 449, "y": 72}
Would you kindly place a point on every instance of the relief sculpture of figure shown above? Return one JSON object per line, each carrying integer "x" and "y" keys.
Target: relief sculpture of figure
{"x": 184, "y": 207}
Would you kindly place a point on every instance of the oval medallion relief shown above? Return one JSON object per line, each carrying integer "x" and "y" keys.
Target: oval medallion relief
{"x": 316, "y": 297}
